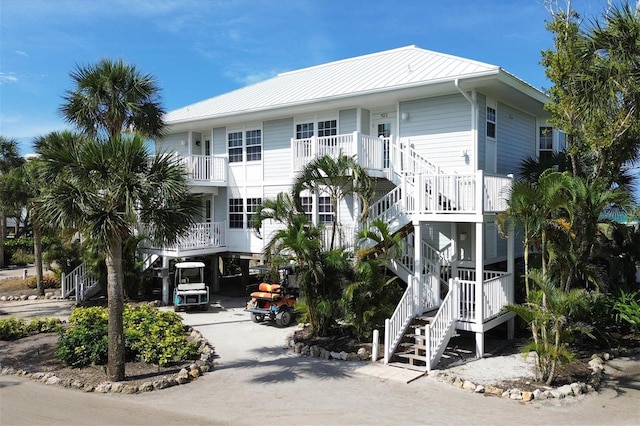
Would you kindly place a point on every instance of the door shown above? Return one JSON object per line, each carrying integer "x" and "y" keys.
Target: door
{"x": 383, "y": 128}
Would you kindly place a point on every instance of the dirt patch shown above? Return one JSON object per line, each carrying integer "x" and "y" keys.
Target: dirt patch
{"x": 37, "y": 353}
{"x": 339, "y": 340}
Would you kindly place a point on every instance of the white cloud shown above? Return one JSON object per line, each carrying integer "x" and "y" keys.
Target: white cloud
{"x": 21, "y": 53}
{"x": 7, "y": 78}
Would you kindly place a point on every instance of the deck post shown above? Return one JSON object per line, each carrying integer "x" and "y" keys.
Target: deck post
{"x": 479, "y": 290}
{"x": 165, "y": 281}
{"x": 417, "y": 268}
{"x": 387, "y": 340}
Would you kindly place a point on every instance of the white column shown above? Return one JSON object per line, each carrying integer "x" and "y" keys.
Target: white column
{"x": 417, "y": 266}
{"x": 165, "y": 280}
{"x": 479, "y": 260}
{"x": 511, "y": 270}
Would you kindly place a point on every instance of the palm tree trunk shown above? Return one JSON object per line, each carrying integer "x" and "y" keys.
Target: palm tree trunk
{"x": 3, "y": 230}
{"x": 115, "y": 362}
{"x": 37, "y": 251}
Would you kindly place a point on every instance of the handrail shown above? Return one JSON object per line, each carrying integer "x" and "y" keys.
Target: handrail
{"x": 440, "y": 329}
{"x": 395, "y": 326}
{"x": 78, "y": 281}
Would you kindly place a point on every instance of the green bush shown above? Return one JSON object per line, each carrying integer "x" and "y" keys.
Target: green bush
{"x": 15, "y": 328}
{"x": 21, "y": 257}
{"x": 48, "y": 281}
{"x": 11, "y": 328}
{"x": 626, "y": 308}
{"x": 150, "y": 335}
{"x": 85, "y": 341}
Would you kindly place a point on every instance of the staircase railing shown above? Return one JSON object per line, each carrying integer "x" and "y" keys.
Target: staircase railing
{"x": 440, "y": 330}
{"x": 395, "y": 327}
{"x": 78, "y": 282}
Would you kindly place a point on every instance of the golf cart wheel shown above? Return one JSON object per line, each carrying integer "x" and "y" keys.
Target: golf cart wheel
{"x": 257, "y": 317}
{"x": 284, "y": 318}
{"x": 204, "y": 307}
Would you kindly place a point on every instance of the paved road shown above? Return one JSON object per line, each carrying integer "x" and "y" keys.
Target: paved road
{"x": 258, "y": 382}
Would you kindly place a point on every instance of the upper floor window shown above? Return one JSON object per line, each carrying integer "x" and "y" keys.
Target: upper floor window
{"x": 545, "y": 142}
{"x": 325, "y": 210}
{"x": 491, "y": 122}
{"x": 307, "y": 207}
{"x": 249, "y": 141}
{"x": 235, "y": 147}
{"x": 328, "y": 128}
{"x": 254, "y": 145}
{"x": 304, "y": 130}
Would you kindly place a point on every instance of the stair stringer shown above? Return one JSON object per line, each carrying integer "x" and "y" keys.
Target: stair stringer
{"x": 441, "y": 329}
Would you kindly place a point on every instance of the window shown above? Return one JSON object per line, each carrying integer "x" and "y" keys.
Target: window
{"x": 307, "y": 207}
{"x": 545, "y": 143}
{"x": 304, "y": 130}
{"x": 254, "y": 145}
{"x": 491, "y": 122}
{"x": 236, "y": 213}
{"x": 235, "y": 147}
{"x": 325, "y": 211}
{"x": 327, "y": 128}
{"x": 252, "y": 207}
{"x": 207, "y": 211}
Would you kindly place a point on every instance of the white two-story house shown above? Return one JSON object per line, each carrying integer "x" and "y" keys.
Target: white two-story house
{"x": 441, "y": 135}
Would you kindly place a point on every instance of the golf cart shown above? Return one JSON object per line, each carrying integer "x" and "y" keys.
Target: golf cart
{"x": 268, "y": 301}
{"x": 189, "y": 287}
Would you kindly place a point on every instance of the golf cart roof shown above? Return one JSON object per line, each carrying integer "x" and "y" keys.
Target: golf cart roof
{"x": 183, "y": 265}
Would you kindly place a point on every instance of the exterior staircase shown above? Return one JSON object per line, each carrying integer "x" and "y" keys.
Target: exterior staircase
{"x": 80, "y": 284}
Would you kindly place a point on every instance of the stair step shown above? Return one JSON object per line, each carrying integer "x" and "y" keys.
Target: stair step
{"x": 407, "y": 366}
{"x": 409, "y": 345}
{"x": 414, "y": 357}
{"x": 416, "y": 336}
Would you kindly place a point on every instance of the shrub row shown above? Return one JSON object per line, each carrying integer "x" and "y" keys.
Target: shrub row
{"x": 151, "y": 335}
{"x": 15, "y": 328}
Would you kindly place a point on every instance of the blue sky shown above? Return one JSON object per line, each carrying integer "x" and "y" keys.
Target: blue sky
{"x": 199, "y": 49}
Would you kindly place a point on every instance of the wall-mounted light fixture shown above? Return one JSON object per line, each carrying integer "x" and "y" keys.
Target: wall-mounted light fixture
{"x": 197, "y": 143}
{"x": 404, "y": 116}
{"x": 463, "y": 236}
{"x": 183, "y": 143}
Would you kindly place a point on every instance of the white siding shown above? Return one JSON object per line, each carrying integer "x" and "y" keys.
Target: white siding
{"x": 365, "y": 121}
{"x": 516, "y": 138}
{"x": 173, "y": 143}
{"x": 347, "y": 121}
{"x": 276, "y": 151}
{"x": 440, "y": 130}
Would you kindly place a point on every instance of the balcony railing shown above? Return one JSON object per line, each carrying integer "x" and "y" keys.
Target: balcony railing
{"x": 371, "y": 153}
{"x": 205, "y": 168}
{"x": 204, "y": 235}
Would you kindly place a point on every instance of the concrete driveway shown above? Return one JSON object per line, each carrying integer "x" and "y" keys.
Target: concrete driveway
{"x": 257, "y": 381}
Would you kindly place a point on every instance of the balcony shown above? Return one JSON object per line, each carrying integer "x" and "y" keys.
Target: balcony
{"x": 201, "y": 238}
{"x": 205, "y": 169}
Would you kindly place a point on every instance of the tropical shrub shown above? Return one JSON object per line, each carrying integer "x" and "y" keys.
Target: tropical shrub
{"x": 21, "y": 258}
{"x": 15, "y": 328}
{"x": 150, "y": 335}
{"x": 626, "y": 309}
{"x": 48, "y": 281}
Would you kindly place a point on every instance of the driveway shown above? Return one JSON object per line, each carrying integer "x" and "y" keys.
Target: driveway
{"x": 257, "y": 381}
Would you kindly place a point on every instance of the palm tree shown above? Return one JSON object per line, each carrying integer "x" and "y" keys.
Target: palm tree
{"x": 9, "y": 159}
{"x": 338, "y": 178}
{"x": 23, "y": 187}
{"x": 112, "y": 97}
{"x": 104, "y": 189}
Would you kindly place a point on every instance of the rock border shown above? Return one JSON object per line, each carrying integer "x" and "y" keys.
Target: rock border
{"x": 316, "y": 351}
{"x": 596, "y": 364}
{"x": 47, "y": 296}
{"x": 203, "y": 365}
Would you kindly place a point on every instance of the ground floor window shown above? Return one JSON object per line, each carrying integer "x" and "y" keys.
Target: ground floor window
{"x": 325, "y": 210}
{"x": 236, "y": 213}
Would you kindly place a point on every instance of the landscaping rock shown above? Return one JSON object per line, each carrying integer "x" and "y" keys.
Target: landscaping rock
{"x": 468, "y": 385}
{"x": 527, "y": 396}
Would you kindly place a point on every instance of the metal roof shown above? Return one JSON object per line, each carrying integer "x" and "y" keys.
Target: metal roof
{"x": 378, "y": 72}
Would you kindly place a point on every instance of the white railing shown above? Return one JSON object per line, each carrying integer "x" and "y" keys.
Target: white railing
{"x": 405, "y": 159}
{"x": 370, "y": 152}
{"x": 78, "y": 281}
{"x": 205, "y": 168}
{"x": 395, "y": 326}
{"x": 345, "y": 236}
{"x": 497, "y": 192}
{"x": 446, "y": 193}
{"x": 497, "y": 293}
{"x": 203, "y": 235}
{"x": 441, "y": 328}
